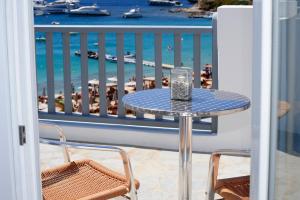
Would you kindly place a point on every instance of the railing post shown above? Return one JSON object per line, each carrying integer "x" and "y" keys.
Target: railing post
{"x": 197, "y": 60}
{"x": 158, "y": 63}
{"x": 158, "y": 59}
{"x": 102, "y": 75}
{"x": 215, "y": 65}
{"x": 67, "y": 74}
{"x": 84, "y": 75}
{"x": 120, "y": 73}
{"x": 215, "y": 52}
{"x": 177, "y": 54}
{"x": 139, "y": 65}
{"x": 177, "y": 50}
{"x": 50, "y": 72}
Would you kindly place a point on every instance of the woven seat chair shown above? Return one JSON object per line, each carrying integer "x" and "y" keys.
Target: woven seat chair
{"x": 86, "y": 179}
{"x": 236, "y": 188}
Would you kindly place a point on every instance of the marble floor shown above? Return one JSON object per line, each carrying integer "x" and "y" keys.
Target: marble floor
{"x": 157, "y": 170}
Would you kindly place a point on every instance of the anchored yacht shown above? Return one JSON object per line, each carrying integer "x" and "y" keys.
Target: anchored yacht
{"x": 39, "y": 7}
{"x": 62, "y": 6}
{"x": 164, "y": 3}
{"x": 89, "y": 10}
{"x": 133, "y": 13}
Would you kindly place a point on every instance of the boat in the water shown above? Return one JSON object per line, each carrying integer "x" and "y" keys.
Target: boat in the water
{"x": 133, "y": 13}
{"x": 74, "y": 33}
{"x": 61, "y": 6}
{"x": 90, "y": 54}
{"x": 207, "y": 15}
{"x": 128, "y": 54}
{"x": 175, "y": 10}
{"x": 164, "y": 3}
{"x": 39, "y": 12}
{"x": 55, "y": 23}
{"x": 40, "y": 39}
{"x": 128, "y": 57}
{"x": 39, "y": 7}
{"x": 89, "y": 10}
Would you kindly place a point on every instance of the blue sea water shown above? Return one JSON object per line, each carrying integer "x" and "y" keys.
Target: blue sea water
{"x": 152, "y": 15}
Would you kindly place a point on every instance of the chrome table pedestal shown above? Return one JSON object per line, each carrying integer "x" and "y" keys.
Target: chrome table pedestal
{"x": 204, "y": 103}
{"x": 185, "y": 157}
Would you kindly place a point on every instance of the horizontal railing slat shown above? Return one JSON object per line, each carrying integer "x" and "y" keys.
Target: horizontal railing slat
{"x": 122, "y": 29}
{"x": 120, "y": 121}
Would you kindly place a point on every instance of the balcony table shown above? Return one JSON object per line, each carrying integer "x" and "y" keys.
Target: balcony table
{"x": 204, "y": 103}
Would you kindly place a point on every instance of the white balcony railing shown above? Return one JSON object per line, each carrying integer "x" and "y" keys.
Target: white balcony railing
{"x": 138, "y": 31}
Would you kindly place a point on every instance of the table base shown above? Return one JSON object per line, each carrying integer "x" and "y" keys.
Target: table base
{"x": 185, "y": 158}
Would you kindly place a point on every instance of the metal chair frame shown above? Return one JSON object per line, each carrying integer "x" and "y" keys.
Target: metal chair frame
{"x": 210, "y": 194}
{"x": 65, "y": 145}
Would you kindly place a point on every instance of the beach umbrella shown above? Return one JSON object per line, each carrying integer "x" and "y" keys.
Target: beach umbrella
{"x": 94, "y": 82}
{"x": 111, "y": 84}
{"x": 151, "y": 78}
{"x": 113, "y": 79}
{"x": 131, "y": 83}
{"x": 43, "y": 106}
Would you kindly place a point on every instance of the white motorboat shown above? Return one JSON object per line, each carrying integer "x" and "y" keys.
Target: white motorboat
{"x": 62, "y": 6}
{"x": 89, "y": 10}
{"x": 55, "y": 23}
{"x": 40, "y": 39}
{"x": 133, "y": 13}
{"x": 39, "y": 12}
{"x": 39, "y": 4}
{"x": 208, "y": 16}
{"x": 164, "y": 3}
{"x": 39, "y": 7}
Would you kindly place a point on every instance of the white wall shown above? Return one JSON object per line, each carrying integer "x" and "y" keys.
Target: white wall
{"x": 261, "y": 92}
{"x": 19, "y": 168}
{"x": 6, "y": 145}
{"x": 235, "y": 57}
{"x": 235, "y": 38}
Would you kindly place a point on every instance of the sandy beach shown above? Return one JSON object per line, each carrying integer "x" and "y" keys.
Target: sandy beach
{"x": 112, "y": 93}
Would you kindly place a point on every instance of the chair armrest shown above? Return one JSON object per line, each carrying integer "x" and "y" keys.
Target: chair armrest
{"x": 214, "y": 167}
{"x": 231, "y": 152}
{"x": 124, "y": 156}
{"x": 62, "y": 138}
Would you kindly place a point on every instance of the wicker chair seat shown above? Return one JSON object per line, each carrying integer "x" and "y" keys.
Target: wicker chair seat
{"x": 236, "y": 188}
{"x": 83, "y": 180}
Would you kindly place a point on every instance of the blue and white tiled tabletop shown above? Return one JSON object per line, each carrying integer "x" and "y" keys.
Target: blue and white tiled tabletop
{"x": 204, "y": 103}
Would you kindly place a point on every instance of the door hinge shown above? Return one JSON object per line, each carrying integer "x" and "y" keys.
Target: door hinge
{"x": 22, "y": 135}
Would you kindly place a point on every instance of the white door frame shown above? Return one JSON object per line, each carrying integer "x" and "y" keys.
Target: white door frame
{"x": 19, "y": 169}
{"x": 261, "y": 104}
